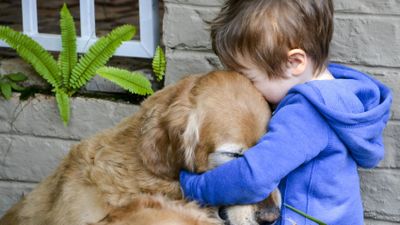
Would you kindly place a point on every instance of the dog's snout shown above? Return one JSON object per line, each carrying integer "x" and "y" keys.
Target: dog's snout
{"x": 267, "y": 216}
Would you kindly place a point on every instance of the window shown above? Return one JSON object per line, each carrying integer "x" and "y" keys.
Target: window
{"x": 142, "y": 48}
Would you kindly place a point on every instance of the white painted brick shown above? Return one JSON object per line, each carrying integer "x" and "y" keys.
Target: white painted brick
{"x": 197, "y": 2}
{"x": 185, "y": 27}
{"x": 10, "y": 193}
{"x": 391, "y": 7}
{"x": 380, "y": 191}
{"x": 26, "y": 158}
{"x": 392, "y": 145}
{"x": 182, "y": 63}
{"x": 366, "y": 40}
{"x": 39, "y": 116}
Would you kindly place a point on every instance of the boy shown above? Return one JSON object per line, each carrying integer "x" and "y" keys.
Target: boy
{"x": 328, "y": 119}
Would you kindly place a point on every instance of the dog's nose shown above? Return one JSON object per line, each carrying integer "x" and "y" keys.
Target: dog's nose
{"x": 267, "y": 216}
{"x": 222, "y": 213}
{"x": 267, "y": 223}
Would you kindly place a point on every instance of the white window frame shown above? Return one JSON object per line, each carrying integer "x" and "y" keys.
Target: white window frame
{"x": 143, "y": 48}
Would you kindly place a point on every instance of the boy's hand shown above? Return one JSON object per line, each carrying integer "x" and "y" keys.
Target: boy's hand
{"x": 189, "y": 182}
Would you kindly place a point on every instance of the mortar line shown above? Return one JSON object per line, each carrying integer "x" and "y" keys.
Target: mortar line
{"x": 41, "y": 136}
{"x": 343, "y": 14}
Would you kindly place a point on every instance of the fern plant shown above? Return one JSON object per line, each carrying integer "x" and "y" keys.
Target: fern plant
{"x": 8, "y": 82}
{"x": 159, "y": 63}
{"x": 69, "y": 74}
{"x": 136, "y": 82}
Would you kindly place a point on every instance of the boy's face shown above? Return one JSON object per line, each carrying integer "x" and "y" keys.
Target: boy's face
{"x": 273, "y": 90}
{"x": 299, "y": 69}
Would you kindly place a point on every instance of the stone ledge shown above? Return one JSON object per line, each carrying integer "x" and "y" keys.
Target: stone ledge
{"x": 39, "y": 116}
{"x": 96, "y": 84}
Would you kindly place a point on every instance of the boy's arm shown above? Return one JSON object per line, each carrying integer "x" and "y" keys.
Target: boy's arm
{"x": 297, "y": 133}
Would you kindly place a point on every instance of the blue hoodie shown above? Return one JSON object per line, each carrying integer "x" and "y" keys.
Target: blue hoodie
{"x": 318, "y": 135}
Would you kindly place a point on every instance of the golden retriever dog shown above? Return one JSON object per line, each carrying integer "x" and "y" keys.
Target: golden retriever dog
{"x": 110, "y": 178}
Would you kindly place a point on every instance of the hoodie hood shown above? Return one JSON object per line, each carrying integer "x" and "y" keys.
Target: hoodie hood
{"x": 357, "y": 107}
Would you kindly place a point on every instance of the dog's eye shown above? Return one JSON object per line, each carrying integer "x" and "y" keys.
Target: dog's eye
{"x": 232, "y": 154}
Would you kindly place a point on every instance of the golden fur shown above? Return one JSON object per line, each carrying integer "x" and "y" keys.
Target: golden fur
{"x": 157, "y": 210}
{"x": 178, "y": 127}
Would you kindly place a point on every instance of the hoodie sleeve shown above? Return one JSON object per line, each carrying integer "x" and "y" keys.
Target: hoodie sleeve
{"x": 297, "y": 133}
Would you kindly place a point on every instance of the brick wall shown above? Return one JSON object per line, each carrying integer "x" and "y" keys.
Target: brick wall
{"x": 367, "y": 37}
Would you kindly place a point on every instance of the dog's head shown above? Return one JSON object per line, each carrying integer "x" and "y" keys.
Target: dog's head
{"x": 202, "y": 122}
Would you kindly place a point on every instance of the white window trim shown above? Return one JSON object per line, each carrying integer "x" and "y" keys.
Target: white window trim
{"x": 144, "y": 48}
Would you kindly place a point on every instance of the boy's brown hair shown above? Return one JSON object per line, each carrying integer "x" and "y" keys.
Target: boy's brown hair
{"x": 263, "y": 31}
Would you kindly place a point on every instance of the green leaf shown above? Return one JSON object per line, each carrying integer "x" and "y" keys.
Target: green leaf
{"x": 319, "y": 222}
{"x": 17, "y": 77}
{"x": 68, "y": 56}
{"x": 132, "y": 81}
{"x": 98, "y": 55}
{"x": 17, "y": 87}
{"x": 33, "y": 53}
{"x": 63, "y": 105}
{"x": 6, "y": 90}
{"x": 159, "y": 63}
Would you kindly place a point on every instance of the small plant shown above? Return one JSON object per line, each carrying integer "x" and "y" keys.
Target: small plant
{"x": 135, "y": 82}
{"x": 8, "y": 82}
{"x": 68, "y": 74}
{"x": 159, "y": 64}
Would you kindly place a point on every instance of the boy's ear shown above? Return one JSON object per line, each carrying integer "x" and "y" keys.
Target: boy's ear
{"x": 297, "y": 61}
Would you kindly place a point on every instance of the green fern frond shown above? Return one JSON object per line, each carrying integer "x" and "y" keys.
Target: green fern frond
{"x": 98, "y": 54}
{"x": 159, "y": 63}
{"x": 68, "y": 55}
{"x": 134, "y": 82}
{"x": 29, "y": 50}
{"x": 63, "y": 105}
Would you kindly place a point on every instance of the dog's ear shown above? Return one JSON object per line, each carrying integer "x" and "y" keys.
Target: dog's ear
{"x": 183, "y": 125}
{"x": 169, "y": 131}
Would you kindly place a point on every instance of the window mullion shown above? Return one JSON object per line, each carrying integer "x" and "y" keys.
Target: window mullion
{"x": 29, "y": 17}
{"x": 149, "y": 29}
{"x": 88, "y": 19}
